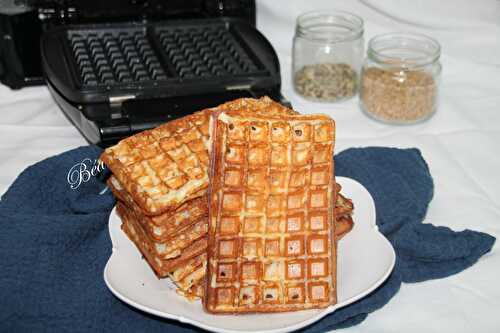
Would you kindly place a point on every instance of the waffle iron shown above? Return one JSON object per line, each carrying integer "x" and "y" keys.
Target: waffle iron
{"x": 114, "y": 79}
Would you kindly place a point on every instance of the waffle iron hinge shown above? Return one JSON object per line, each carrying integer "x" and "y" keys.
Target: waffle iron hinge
{"x": 115, "y": 103}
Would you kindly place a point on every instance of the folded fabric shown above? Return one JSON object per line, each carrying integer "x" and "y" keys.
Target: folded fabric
{"x": 54, "y": 243}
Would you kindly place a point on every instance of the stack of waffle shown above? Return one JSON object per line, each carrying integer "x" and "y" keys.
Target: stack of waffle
{"x": 174, "y": 244}
{"x": 160, "y": 179}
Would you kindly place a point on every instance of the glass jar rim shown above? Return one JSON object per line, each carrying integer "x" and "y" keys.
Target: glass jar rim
{"x": 419, "y": 49}
{"x": 317, "y": 25}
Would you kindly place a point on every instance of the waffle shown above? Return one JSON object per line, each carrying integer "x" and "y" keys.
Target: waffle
{"x": 164, "y": 167}
{"x": 271, "y": 239}
{"x": 163, "y": 227}
{"x": 162, "y": 267}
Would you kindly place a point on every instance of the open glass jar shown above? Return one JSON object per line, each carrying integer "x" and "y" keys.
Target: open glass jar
{"x": 327, "y": 55}
{"x": 400, "y": 78}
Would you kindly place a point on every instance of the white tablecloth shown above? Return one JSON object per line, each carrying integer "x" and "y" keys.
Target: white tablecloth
{"x": 460, "y": 143}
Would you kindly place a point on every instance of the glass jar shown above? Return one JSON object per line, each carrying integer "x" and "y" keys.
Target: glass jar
{"x": 327, "y": 55}
{"x": 400, "y": 78}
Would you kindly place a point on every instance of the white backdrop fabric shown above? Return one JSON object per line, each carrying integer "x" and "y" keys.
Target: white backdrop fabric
{"x": 461, "y": 143}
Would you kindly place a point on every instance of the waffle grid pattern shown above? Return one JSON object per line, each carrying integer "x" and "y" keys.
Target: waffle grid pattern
{"x": 143, "y": 55}
{"x": 271, "y": 230}
{"x": 111, "y": 57}
{"x": 164, "y": 167}
{"x": 205, "y": 52}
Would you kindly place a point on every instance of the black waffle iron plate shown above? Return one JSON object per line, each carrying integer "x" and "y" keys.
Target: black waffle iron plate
{"x": 113, "y": 80}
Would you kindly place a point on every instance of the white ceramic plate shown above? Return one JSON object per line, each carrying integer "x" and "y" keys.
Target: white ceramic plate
{"x": 365, "y": 260}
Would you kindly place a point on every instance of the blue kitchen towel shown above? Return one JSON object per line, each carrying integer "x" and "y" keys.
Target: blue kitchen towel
{"x": 54, "y": 243}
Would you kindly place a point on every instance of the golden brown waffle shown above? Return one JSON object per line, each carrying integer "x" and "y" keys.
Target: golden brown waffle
{"x": 167, "y": 225}
{"x": 271, "y": 221}
{"x": 163, "y": 167}
{"x": 167, "y": 166}
{"x": 162, "y": 267}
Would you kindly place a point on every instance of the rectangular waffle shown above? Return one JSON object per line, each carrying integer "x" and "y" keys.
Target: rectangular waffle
{"x": 164, "y": 167}
{"x": 162, "y": 267}
{"x": 271, "y": 214}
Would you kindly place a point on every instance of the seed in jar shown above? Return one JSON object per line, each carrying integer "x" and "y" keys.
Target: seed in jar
{"x": 327, "y": 82}
{"x": 398, "y": 95}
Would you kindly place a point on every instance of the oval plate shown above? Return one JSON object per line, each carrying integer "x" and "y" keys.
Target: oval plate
{"x": 365, "y": 260}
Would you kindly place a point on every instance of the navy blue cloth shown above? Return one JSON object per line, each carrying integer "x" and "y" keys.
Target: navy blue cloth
{"x": 54, "y": 244}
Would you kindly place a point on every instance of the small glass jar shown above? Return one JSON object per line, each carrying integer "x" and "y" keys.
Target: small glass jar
{"x": 327, "y": 55}
{"x": 400, "y": 78}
